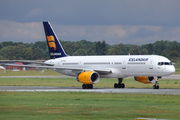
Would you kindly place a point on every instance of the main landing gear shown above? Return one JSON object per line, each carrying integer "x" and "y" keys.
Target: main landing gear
{"x": 120, "y": 84}
{"x": 156, "y": 86}
{"x": 87, "y": 86}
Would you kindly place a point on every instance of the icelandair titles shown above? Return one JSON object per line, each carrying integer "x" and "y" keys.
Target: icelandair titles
{"x": 55, "y": 54}
{"x": 138, "y": 59}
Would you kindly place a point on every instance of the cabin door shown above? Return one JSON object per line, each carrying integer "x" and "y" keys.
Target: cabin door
{"x": 151, "y": 64}
{"x": 124, "y": 65}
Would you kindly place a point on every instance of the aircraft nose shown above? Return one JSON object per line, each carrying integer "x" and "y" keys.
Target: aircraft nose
{"x": 171, "y": 70}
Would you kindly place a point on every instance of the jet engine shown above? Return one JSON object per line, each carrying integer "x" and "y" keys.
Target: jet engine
{"x": 145, "y": 79}
{"x": 88, "y": 77}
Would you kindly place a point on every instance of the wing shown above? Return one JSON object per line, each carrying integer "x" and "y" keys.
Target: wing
{"x": 7, "y": 62}
{"x": 33, "y": 62}
{"x": 74, "y": 69}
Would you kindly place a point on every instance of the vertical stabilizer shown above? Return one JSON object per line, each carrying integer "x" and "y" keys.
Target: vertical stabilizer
{"x": 55, "y": 48}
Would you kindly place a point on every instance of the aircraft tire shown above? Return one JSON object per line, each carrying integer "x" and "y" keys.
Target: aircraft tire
{"x": 87, "y": 86}
{"x": 84, "y": 86}
{"x": 115, "y": 85}
{"x": 155, "y": 86}
{"x": 91, "y": 86}
{"x": 119, "y": 85}
{"x": 122, "y": 85}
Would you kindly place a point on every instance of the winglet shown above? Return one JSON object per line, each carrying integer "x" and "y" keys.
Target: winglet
{"x": 55, "y": 48}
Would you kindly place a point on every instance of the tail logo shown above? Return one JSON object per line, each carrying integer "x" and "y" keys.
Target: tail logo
{"x": 51, "y": 42}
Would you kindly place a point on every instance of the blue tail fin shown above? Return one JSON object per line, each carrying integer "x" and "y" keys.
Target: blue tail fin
{"x": 55, "y": 48}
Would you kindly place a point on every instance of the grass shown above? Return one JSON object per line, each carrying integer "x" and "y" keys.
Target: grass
{"x": 72, "y": 82}
{"x": 80, "y": 106}
{"x": 177, "y": 65}
{"x": 177, "y": 72}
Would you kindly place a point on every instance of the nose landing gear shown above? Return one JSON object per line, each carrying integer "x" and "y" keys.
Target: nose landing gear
{"x": 156, "y": 86}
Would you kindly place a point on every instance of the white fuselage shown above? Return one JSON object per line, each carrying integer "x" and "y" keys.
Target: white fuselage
{"x": 120, "y": 66}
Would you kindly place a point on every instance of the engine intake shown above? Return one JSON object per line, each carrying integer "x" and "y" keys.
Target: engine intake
{"x": 88, "y": 77}
{"x": 145, "y": 79}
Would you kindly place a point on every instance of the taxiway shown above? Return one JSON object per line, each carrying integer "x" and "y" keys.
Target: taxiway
{"x": 94, "y": 90}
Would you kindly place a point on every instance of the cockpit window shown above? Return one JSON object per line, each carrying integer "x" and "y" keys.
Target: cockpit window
{"x": 164, "y": 63}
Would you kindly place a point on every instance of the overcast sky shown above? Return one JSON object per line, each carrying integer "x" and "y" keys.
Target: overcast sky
{"x": 115, "y": 21}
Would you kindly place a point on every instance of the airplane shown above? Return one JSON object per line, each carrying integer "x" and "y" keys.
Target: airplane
{"x": 2, "y": 68}
{"x": 89, "y": 69}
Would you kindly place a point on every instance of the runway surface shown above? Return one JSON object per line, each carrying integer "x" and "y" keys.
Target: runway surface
{"x": 95, "y": 90}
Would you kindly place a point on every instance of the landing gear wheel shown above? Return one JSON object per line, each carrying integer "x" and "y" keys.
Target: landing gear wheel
{"x": 115, "y": 85}
{"x": 122, "y": 85}
{"x": 155, "y": 86}
{"x": 90, "y": 86}
{"x": 119, "y": 84}
{"x": 83, "y": 86}
{"x": 87, "y": 86}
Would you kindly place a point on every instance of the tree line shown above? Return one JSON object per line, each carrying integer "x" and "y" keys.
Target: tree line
{"x": 39, "y": 50}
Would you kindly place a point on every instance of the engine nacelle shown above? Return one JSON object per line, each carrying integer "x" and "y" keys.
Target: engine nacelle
{"x": 88, "y": 77}
{"x": 145, "y": 79}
